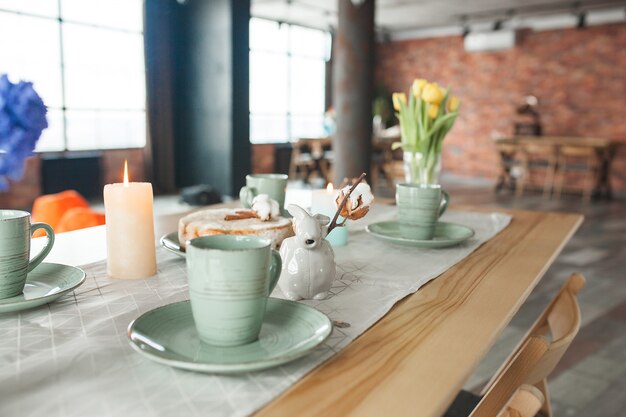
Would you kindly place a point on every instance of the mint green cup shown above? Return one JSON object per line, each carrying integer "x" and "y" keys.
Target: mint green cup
{"x": 15, "y": 234}
{"x": 230, "y": 279}
{"x": 419, "y": 209}
{"x": 274, "y": 185}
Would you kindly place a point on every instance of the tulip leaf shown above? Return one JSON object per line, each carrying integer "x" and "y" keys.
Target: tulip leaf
{"x": 439, "y": 122}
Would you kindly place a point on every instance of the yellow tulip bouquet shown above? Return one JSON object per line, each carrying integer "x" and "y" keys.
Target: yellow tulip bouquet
{"x": 425, "y": 120}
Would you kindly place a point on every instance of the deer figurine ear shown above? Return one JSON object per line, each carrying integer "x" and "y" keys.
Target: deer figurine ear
{"x": 297, "y": 212}
{"x": 323, "y": 220}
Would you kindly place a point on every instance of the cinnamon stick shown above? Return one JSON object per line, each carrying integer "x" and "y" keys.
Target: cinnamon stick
{"x": 241, "y": 215}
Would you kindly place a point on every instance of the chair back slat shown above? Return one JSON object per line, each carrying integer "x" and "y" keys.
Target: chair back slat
{"x": 526, "y": 402}
{"x": 511, "y": 378}
{"x": 559, "y": 323}
{"x": 563, "y": 321}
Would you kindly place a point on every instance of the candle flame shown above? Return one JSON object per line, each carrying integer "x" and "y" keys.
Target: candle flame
{"x": 329, "y": 187}
{"x": 125, "y": 173}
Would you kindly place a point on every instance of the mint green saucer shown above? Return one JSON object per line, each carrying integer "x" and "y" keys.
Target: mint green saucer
{"x": 167, "y": 335}
{"x": 170, "y": 242}
{"x": 446, "y": 234}
{"x": 44, "y": 284}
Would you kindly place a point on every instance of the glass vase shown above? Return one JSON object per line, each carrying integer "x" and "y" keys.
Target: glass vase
{"x": 420, "y": 171}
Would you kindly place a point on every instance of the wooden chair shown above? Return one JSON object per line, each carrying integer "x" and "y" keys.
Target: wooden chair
{"x": 387, "y": 162}
{"x": 582, "y": 160}
{"x": 536, "y": 158}
{"x": 310, "y": 156}
{"x": 504, "y": 388}
{"x": 557, "y": 326}
{"x": 508, "y": 162}
{"x": 561, "y": 322}
{"x": 526, "y": 402}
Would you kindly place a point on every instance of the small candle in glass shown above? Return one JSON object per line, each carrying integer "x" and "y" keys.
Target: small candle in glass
{"x": 323, "y": 202}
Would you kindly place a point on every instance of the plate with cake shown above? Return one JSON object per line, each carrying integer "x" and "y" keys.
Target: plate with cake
{"x": 263, "y": 220}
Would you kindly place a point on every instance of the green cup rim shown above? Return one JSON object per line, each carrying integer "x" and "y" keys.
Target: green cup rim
{"x": 18, "y": 214}
{"x": 272, "y": 176}
{"x": 217, "y": 242}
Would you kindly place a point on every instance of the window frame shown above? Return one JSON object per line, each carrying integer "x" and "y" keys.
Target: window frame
{"x": 289, "y": 54}
{"x": 63, "y": 109}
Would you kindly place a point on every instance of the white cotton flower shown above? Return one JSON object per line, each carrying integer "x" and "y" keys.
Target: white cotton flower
{"x": 358, "y": 203}
{"x": 265, "y": 207}
{"x": 363, "y": 191}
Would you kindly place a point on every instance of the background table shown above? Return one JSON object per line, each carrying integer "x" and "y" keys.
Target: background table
{"x": 605, "y": 150}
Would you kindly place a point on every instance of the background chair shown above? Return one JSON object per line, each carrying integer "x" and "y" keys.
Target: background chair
{"x": 311, "y": 156}
{"x": 388, "y": 162}
{"x": 582, "y": 161}
{"x": 537, "y": 160}
{"x": 508, "y": 162}
{"x": 503, "y": 389}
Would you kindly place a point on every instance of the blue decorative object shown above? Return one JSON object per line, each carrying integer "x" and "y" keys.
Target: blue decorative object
{"x": 22, "y": 119}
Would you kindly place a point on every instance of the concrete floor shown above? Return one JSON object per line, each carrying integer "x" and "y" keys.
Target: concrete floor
{"x": 591, "y": 378}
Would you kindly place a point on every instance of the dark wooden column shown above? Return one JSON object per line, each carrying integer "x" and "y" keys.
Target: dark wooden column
{"x": 212, "y": 139}
{"x": 353, "y": 79}
{"x": 160, "y": 93}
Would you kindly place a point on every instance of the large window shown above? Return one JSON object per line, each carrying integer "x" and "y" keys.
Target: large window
{"x": 85, "y": 58}
{"x": 287, "y": 80}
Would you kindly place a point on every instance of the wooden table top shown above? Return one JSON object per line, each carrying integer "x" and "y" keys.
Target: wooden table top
{"x": 415, "y": 360}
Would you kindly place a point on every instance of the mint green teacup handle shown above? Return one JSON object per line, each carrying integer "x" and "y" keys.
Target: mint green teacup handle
{"x": 275, "y": 269}
{"x": 445, "y": 197}
{"x": 246, "y": 195}
{"x": 46, "y": 249}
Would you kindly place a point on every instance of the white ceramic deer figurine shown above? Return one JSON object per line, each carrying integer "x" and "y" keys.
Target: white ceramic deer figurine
{"x": 308, "y": 259}
{"x": 309, "y": 267}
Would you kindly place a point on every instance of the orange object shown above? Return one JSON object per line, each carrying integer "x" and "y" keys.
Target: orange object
{"x": 79, "y": 218}
{"x": 51, "y": 208}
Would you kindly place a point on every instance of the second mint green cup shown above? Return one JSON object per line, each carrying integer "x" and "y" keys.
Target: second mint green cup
{"x": 274, "y": 185}
{"x": 230, "y": 279}
{"x": 419, "y": 209}
{"x": 15, "y": 234}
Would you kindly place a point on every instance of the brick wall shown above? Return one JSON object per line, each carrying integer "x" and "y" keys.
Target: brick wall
{"x": 579, "y": 77}
{"x": 263, "y": 158}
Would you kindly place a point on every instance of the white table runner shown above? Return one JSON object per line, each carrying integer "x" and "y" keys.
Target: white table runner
{"x": 72, "y": 358}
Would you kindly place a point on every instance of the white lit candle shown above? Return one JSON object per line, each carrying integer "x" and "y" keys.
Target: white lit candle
{"x": 130, "y": 229}
{"x": 323, "y": 202}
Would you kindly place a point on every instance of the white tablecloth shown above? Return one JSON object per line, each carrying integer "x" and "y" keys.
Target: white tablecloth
{"x": 72, "y": 357}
